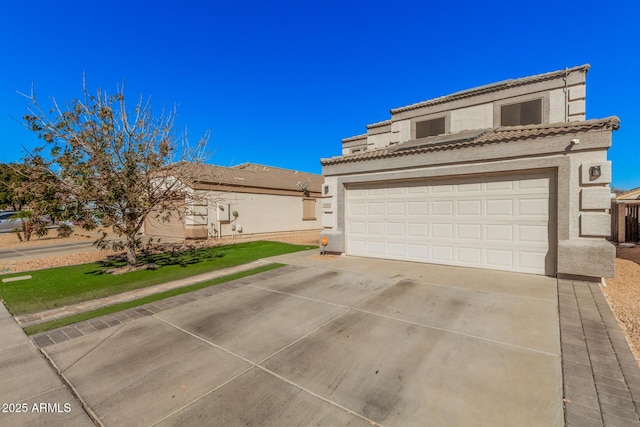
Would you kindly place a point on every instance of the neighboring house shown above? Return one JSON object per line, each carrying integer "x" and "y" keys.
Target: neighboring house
{"x": 631, "y": 196}
{"x": 625, "y": 217}
{"x": 240, "y": 200}
{"x": 508, "y": 176}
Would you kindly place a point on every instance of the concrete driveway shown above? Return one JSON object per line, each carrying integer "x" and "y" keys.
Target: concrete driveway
{"x": 333, "y": 341}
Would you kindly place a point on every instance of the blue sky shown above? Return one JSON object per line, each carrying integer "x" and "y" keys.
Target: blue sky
{"x": 282, "y": 82}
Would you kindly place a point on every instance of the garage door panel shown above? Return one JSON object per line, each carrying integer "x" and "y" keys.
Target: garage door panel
{"x": 499, "y": 232}
{"x": 417, "y": 208}
{"x": 532, "y": 234}
{"x": 442, "y": 231}
{"x": 375, "y": 228}
{"x": 395, "y": 208}
{"x": 470, "y": 231}
{"x": 499, "y": 258}
{"x": 469, "y": 208}
{"x": 499, "y": 187}
{"x": 537, "y": 207}
{"x": 395, "y": 191}
{"x": 536, "y": 184}
{"x": 441, "y": 189}
{"x": 357, "y": 208}
{"x": 470, "y": 256}
{"x": 475, "y": 187}
{"x": 376, "y": 247}
{"x": 416, "y": 189}
{"x": 358, "y": 246}
{"x": 442, "y": 208}
{"x": 418, "y": 252}
{"x": 530, "y": 260}
{"x": 500, "y": 207}
{"x": 396, "y": 250}
{"x": 358, "y": 227}
{"x": 417, "y": 230}
{"x": 500, "y": 222}
{"x": 396, "y": 229}
{"x": 375, "y": 208}
{"x": 442, "y": 253}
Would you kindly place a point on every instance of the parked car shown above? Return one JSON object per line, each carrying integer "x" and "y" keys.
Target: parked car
{"x": 8, "y": 221}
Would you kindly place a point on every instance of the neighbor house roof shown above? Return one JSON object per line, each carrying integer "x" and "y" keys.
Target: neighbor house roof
{"x": 492, "y": 88}
{"x": 251, "y": 175}
{"x": 476, "y": 137}
{"x": 630, "y": 195}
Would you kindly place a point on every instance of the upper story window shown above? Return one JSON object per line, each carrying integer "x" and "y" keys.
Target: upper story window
{"x": 431, "y": 127}
{"x": 521, "y": 113}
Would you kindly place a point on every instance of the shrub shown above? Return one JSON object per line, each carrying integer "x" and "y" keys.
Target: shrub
{"x": 64, "y": 230}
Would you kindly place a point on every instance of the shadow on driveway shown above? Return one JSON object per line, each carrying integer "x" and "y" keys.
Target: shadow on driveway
{"x": 333, "y": 341}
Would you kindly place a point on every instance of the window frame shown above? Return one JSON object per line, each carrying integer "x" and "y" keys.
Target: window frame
{"x": 443, "y": 115}
{"x": 497, "y": 107}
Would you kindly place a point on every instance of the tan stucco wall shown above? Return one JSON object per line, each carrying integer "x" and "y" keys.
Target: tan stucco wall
{"x": 560, "y": 104}
{"x": 475, "y": 117}
{"x": 259, "y": 213}
{"x": 582, "y": 248}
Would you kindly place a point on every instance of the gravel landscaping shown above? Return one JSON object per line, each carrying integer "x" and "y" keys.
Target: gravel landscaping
{"x": 623, "y": 294}
{"x": 9, "y": 240}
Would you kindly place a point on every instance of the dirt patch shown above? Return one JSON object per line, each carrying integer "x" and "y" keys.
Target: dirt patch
{"x": 9, "y": 240}
{"x": 623, "y": 294}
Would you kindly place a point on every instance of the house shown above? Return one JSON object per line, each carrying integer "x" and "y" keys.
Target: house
{"x": 508, "y": 176}
{"x": 631, "y": 196}
{"x": 240, "y": 200}
{"x": 625, "y": 217}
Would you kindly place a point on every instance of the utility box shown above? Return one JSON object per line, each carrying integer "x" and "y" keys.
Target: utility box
{"x": 224, "y": 212}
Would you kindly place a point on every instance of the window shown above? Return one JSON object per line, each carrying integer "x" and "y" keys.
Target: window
{"x": 430, "y": 127}
{"x": 521, "y": 113}
{"x": 308, "y": 209}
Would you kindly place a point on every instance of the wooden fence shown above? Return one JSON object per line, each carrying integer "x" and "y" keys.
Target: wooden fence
{"x": 625, "y": 222}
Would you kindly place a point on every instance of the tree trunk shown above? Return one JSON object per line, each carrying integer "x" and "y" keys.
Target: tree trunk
{"x": 131, "y": 252}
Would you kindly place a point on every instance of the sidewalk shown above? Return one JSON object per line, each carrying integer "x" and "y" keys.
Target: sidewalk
{"x": 58, "y": 313}
{"x": 34, "y": 395}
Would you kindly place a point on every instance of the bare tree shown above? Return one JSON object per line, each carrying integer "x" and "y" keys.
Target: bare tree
{"x": 117, "y": 165}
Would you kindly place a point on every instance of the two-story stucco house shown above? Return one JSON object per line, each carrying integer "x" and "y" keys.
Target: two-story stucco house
{"x": 508, "y": 176}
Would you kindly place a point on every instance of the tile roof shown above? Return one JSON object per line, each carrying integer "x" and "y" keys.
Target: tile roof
{"x": 379, "y": 124}
{"x": 355, "y": 138}
{"x": 492, "y": 88}
{"x": 254, "y": 176}
{"x": 633, "y": 194}
{"x": 476, "y": 137}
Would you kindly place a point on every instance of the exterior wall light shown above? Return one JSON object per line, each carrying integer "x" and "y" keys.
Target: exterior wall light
{"x": 595, "y": 172}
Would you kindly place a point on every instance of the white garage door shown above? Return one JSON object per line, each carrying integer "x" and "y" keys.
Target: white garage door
{"x": 499, "y": 222}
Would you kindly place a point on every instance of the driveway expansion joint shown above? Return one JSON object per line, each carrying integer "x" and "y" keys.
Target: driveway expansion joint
{"x": 258, "y": 365}
{"x": 86, "y": 327}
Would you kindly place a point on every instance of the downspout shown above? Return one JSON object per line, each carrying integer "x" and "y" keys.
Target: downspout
{"x": 566, "y": 94}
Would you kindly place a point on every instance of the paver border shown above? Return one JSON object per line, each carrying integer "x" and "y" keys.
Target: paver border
{"x": 86, "y": 327}
{"x": 601, "y": 378}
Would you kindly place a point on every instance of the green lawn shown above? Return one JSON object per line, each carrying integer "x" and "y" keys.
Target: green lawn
{"x": 57, "y": 287}
{"x": 47, "y": 326}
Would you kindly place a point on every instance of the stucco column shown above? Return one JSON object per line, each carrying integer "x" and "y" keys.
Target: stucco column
{"x": 622, "y": 221}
